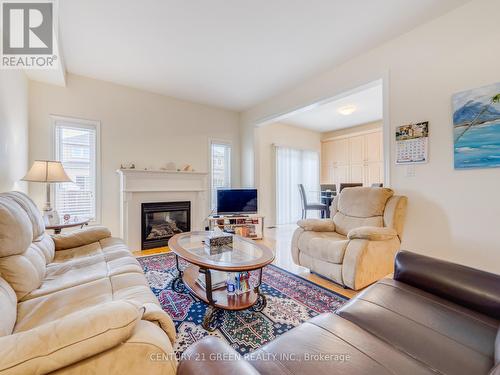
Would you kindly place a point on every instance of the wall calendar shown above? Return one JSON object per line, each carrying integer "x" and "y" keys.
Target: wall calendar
{"x": 412, "y": 143}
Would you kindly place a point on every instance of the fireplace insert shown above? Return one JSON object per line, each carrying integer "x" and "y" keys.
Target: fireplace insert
{"x": 162, "y": 220}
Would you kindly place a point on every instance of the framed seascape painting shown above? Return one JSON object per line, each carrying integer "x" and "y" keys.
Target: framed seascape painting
{"x": 476, "y": 127}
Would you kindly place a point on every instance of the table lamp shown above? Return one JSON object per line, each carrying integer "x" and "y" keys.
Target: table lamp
{"x": 47, "y": 171}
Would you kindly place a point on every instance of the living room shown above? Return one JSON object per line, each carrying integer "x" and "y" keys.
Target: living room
{"x": 203, "y": 126}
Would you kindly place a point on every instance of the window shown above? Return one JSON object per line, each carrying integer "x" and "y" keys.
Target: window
{"x": 220, "y": 162}
{"x": 76, "y": 146}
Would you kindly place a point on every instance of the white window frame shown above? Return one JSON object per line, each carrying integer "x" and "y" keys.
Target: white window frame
{"x": 86, "y": 124}
{"x": 225, "y": 142}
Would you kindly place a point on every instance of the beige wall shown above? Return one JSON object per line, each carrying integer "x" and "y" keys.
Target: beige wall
{"x": 13, "y": 130}
{"x": 282, "y": 135}
{"x": 452, "y": 214}
{"x": 354, "y": 129}
{"x": 136, "y": 126}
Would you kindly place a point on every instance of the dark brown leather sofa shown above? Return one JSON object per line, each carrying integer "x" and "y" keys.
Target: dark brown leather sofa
{"x": 434, "y": 317}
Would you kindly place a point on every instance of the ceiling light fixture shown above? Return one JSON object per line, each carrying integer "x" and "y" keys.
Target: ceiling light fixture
{"x": 346, "y": 110}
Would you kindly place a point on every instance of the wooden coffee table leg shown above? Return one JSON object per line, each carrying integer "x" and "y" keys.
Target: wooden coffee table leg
{"x": 177, "y": 284}
{"x": 261, "y": 302}
{"x": 210, "y": 318}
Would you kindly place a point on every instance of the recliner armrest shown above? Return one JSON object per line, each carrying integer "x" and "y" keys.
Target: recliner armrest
{"x": 67, "y": 340}
{"x": 317, "y": 225}
{"x": 80, "y": 237}
{"x": 372, "y": 233}
{"x": 212, "y": 356}
{"x": 475, "y": 289}
{"x": 156, "y": 314}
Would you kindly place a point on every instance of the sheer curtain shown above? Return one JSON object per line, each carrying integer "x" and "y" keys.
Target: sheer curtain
{"x": 294, "y": 167}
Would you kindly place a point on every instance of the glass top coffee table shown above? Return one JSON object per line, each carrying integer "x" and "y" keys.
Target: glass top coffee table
{"x": 243, "y": 255}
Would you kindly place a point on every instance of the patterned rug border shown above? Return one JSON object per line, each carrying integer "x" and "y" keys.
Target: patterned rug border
{"x": 170, "y": 253}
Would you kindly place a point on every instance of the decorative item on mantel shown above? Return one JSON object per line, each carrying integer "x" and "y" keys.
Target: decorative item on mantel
{"x": 188, "y": 168}
{"x": 127, "y": 166}
{"x": 169, "y": 167}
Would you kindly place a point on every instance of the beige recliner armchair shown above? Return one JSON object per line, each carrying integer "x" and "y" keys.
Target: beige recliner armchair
{"x": 357, "y": 245}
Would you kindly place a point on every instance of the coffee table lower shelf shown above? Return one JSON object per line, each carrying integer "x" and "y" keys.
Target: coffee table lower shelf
{"x": 221, "y": 300}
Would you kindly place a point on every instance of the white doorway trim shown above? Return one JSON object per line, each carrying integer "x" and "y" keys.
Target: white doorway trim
{"x": 383, "y": 78}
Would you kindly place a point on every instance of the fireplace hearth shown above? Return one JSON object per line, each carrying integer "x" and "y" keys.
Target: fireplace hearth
{"x": 162, "y": 220}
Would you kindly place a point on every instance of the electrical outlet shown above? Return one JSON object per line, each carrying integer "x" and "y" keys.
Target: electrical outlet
{"x": 410, "y": 171}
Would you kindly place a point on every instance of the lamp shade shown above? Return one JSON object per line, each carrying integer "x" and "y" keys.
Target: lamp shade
{"x": 47, "y": 171}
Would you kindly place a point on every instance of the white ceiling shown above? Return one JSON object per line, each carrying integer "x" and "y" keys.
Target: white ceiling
{"x": 325, "y": 117}
{"x": 228, "y": 53}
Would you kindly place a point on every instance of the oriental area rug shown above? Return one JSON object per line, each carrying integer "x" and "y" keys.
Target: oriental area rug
{"x": 291, "y": 300}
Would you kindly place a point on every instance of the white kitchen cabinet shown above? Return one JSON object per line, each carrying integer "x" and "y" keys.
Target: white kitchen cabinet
{"x": 356, "y": 158}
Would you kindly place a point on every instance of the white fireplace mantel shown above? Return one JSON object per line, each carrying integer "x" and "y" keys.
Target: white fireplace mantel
{"x": 148, "y": 186}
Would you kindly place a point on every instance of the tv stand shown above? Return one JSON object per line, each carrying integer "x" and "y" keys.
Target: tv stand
{"x": 249, "y": 226}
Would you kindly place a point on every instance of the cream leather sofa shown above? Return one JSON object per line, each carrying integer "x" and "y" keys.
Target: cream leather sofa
{"x": 357, "y": 245}
{"x": 77, "y": 303}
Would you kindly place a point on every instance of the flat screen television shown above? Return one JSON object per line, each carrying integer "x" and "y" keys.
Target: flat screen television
{"x": 236, "y": 201}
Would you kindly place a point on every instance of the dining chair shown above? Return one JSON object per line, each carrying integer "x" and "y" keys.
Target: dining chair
{"x": 344, "y": 185}
{"x": 310, "y": 206}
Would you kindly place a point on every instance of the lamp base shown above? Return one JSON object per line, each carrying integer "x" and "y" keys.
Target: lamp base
{"x": 50, "y": 217}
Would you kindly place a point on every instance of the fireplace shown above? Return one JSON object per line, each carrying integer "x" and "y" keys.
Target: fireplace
{"x": 162, "y": 220}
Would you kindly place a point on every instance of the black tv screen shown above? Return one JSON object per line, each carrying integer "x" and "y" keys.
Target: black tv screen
{"x": 236, "y": 201}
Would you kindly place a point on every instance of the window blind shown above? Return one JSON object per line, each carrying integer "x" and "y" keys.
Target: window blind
{"x": 221, "y": 169}
{"x": 75, "y": 147}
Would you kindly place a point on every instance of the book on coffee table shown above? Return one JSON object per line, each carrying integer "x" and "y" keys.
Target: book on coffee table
{"x": 218, "y": 279}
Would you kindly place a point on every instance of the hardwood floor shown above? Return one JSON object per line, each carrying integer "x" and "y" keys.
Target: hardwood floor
{"x": 279, "y": 240}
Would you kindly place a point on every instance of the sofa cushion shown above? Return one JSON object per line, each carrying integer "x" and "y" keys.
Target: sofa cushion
{"x": 24, "y": 272}
{"x": 31, "y": 210}
{"x": 205, "y": 349}
{"x": 130, "y": 287}
{"x": 46, "y": 247}
{"x": 330, "y": 248}
{"x": 80, "y": 237}
{"x": 8, "y": 308}
{"x": 147, "y": 351}
{"x": 22, "y": 264}
{"x": 74, "y": 338}
{"x": 16, "y": 230}
{"x": 84, "y": 264}
{"x": 417, "y": 317}
{"x": 327, "y": 246}
{"x": 344, "y": 223}
{"x": 328, "y": 344}
{"x": 360, "y": 207}
{"x": 475, "y": 289}
{"x": 329, "y": 270}
{"x": 363, "y": 202}
{"x": 93, "y": 274}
